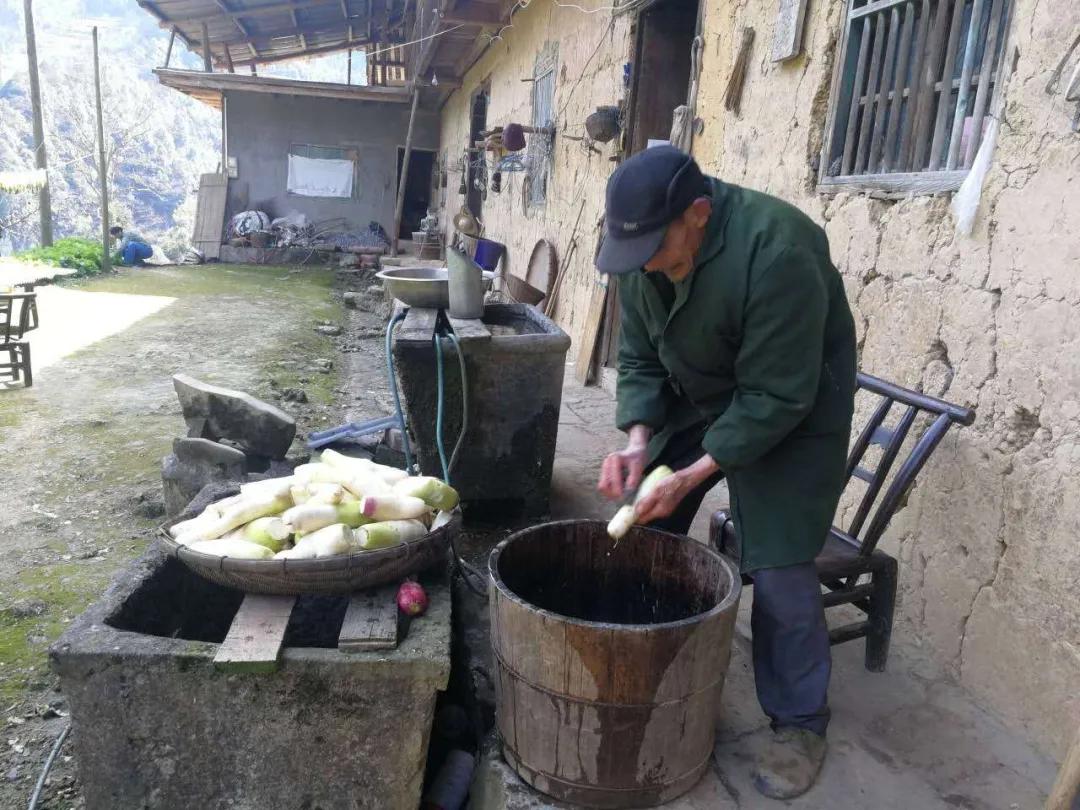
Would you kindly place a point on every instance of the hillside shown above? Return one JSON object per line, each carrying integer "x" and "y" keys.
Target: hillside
{"x": 158, "y": 140}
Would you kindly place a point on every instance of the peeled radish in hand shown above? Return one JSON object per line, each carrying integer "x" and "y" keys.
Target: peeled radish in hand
{"x": 627, "y": 515}
{"x": 393, "y": 507}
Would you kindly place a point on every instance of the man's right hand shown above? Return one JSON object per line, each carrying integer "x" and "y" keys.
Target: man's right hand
{"x": 622, "y": 471}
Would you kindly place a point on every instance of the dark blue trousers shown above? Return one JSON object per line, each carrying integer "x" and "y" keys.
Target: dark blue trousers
{"x": 791, "y": 655}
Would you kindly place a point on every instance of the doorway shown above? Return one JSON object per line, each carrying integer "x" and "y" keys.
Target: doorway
{"x": 476, "y": 178}
{"x": 417, "y": 189}
{"x": 660, "y": 82}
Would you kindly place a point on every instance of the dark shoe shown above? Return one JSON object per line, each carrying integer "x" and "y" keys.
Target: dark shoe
{"x": 789, "y": 764}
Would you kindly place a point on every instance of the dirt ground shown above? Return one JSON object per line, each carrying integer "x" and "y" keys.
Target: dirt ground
{"x": 82, "y": 449}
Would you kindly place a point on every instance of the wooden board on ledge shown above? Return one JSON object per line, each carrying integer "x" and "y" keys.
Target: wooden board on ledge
{"x": 371, "y": 621}
{"x": 254, "y": 641}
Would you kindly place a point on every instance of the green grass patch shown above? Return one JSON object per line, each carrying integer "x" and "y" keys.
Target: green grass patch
{"x": 72, "y": 252}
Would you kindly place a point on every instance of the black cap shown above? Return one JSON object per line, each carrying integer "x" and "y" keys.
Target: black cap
{"x": 645, "y": 195}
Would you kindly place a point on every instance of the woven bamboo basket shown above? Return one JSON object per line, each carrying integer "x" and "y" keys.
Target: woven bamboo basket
{"x": 330, "y": 575}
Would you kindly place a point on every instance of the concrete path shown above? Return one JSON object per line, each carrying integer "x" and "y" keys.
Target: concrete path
{"x": 899, "y": 740}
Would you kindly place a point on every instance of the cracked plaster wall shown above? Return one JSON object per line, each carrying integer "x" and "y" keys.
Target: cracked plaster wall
{"x": 590, "y": 51}
{"x": 988, "y": 541}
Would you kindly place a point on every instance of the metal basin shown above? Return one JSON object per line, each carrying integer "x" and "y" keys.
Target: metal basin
{"x": 425, "y": 287}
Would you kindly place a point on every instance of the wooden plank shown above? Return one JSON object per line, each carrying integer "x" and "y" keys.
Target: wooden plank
{"x": 903, "y": 160}
{"x": 371, "y": 621}
{"x": 419, "y": 325}
{"x": 898, "y": 184}
{"x": 982, "y": 95}
{"x": 888, "y": 78}
{"x": 254, "y": 641}
{"x": 903, "y": 56}
{"x": 187, "y": 80}
{"x": 856, "y": 92}
{"x": 788, "y": 32}
{"x": 469, "y": 329}
{"x": 873, "y": 8}
{"x": 210, "y": 214}
{"x": 590, "y": 332}
{"x": 935, "y": 51}
{"x": 964, "y": 93}
{"x": 207, "y": 64}
{"x": 945, "y": 95}
{"x": 872, "y": 80}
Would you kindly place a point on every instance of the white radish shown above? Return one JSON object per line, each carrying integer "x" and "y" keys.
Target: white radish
{"x": 430, "y": 490}
{"x": 269, "y": 488}
{"x": 390, "y": 475}
{"x": 358, "y": 482}
{"x": 267, "y": 531}
{"x": 393, "y": 507}
{"x": 235, "y": 516}
{"x": 309, "y": 517}
{"x": 330, "y": 541}
{"x": 233, "y": 547}
{"x": 389, "y": 533}
{"x": 627, "y": 515}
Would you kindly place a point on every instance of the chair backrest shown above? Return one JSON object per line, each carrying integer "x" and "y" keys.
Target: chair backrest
{"x": 891, "y": 439}
{"x": 16, "y": 311}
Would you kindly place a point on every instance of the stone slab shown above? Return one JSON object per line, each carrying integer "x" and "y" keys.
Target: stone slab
{"x": 156, "y": 725}
{"x": 212, "y": 412}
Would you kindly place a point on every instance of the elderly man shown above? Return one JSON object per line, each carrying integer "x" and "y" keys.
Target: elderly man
{"x": 737, "y": 361}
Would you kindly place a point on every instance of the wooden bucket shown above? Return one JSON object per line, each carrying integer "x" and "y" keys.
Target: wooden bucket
{"x": 610, "y": 659}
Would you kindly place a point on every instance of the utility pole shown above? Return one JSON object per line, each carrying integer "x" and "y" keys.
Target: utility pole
{"x": 106, "y": 261}
{"x": 44, "y": 203}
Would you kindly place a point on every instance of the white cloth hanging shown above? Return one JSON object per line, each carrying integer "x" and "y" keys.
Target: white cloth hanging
{"x": 312, "y": 177}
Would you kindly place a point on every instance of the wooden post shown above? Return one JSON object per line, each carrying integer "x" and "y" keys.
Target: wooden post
{"x": 228, "y": 59}
{"x": 253, "y": 71}
{"x": 348, "y": 72}
{"x": 404, "y": 172}
{"x": 208, "y": 66}
{"x": 168, "y": 51}
{"x": 44, "y": 201}
{"x": 106, "y": 263}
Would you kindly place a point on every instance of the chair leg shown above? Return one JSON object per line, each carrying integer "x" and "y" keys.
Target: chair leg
{"x": 882, "y": 603}
{"x": 28, "y": 375}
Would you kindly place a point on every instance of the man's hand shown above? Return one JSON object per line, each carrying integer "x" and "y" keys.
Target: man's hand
{"x": 668, "y": 494}
{"x": 622, "y": 471}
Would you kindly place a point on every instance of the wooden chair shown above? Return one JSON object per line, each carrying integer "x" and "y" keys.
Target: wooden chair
{"x": 18, "y": 315}
{"x": 851, "y": 554}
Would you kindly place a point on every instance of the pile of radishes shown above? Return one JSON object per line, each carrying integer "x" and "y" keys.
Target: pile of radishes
{"x": 338, "y": 505}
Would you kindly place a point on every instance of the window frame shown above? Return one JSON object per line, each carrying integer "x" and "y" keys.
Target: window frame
{"x": 544, "y": 69}
{"x": 926, "y": 181}
{"x": 348, "y": 151}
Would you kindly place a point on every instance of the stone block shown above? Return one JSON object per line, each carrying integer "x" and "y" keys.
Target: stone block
{"x": 193, "y": 464}
{"x": 212, "y": 412}
{"x": 156, "y": 725}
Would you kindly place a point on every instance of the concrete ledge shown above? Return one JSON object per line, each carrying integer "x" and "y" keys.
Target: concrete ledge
{"x": 156, "y": 725}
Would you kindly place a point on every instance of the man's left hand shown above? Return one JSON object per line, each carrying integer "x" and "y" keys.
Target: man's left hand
{"x": 664, "y": 498}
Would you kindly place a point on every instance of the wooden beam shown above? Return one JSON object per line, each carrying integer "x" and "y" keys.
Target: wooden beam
{"x": 264, "y": 39}
{"x": 229, "y": 61}
{"x": 255, "y": 11}
{"x": 194, "y": 80}
{"x": 254, "y": 640}
{"x": 103, "y": 171}
{"x": 477, "y": 16}
{"x": 168, "y": 51}
{"x": 285, "y": 57}
{"x": 404, "y": 174}
{"x": 207, "y": 63}
{"x": 44, "y": 200}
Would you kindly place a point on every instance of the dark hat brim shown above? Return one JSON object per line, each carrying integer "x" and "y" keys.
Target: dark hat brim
{"x": 622, "y": 254}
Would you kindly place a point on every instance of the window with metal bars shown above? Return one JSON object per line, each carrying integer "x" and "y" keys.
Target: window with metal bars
{"x": 539, "y": 163}
{"x": 912, "y": 93}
